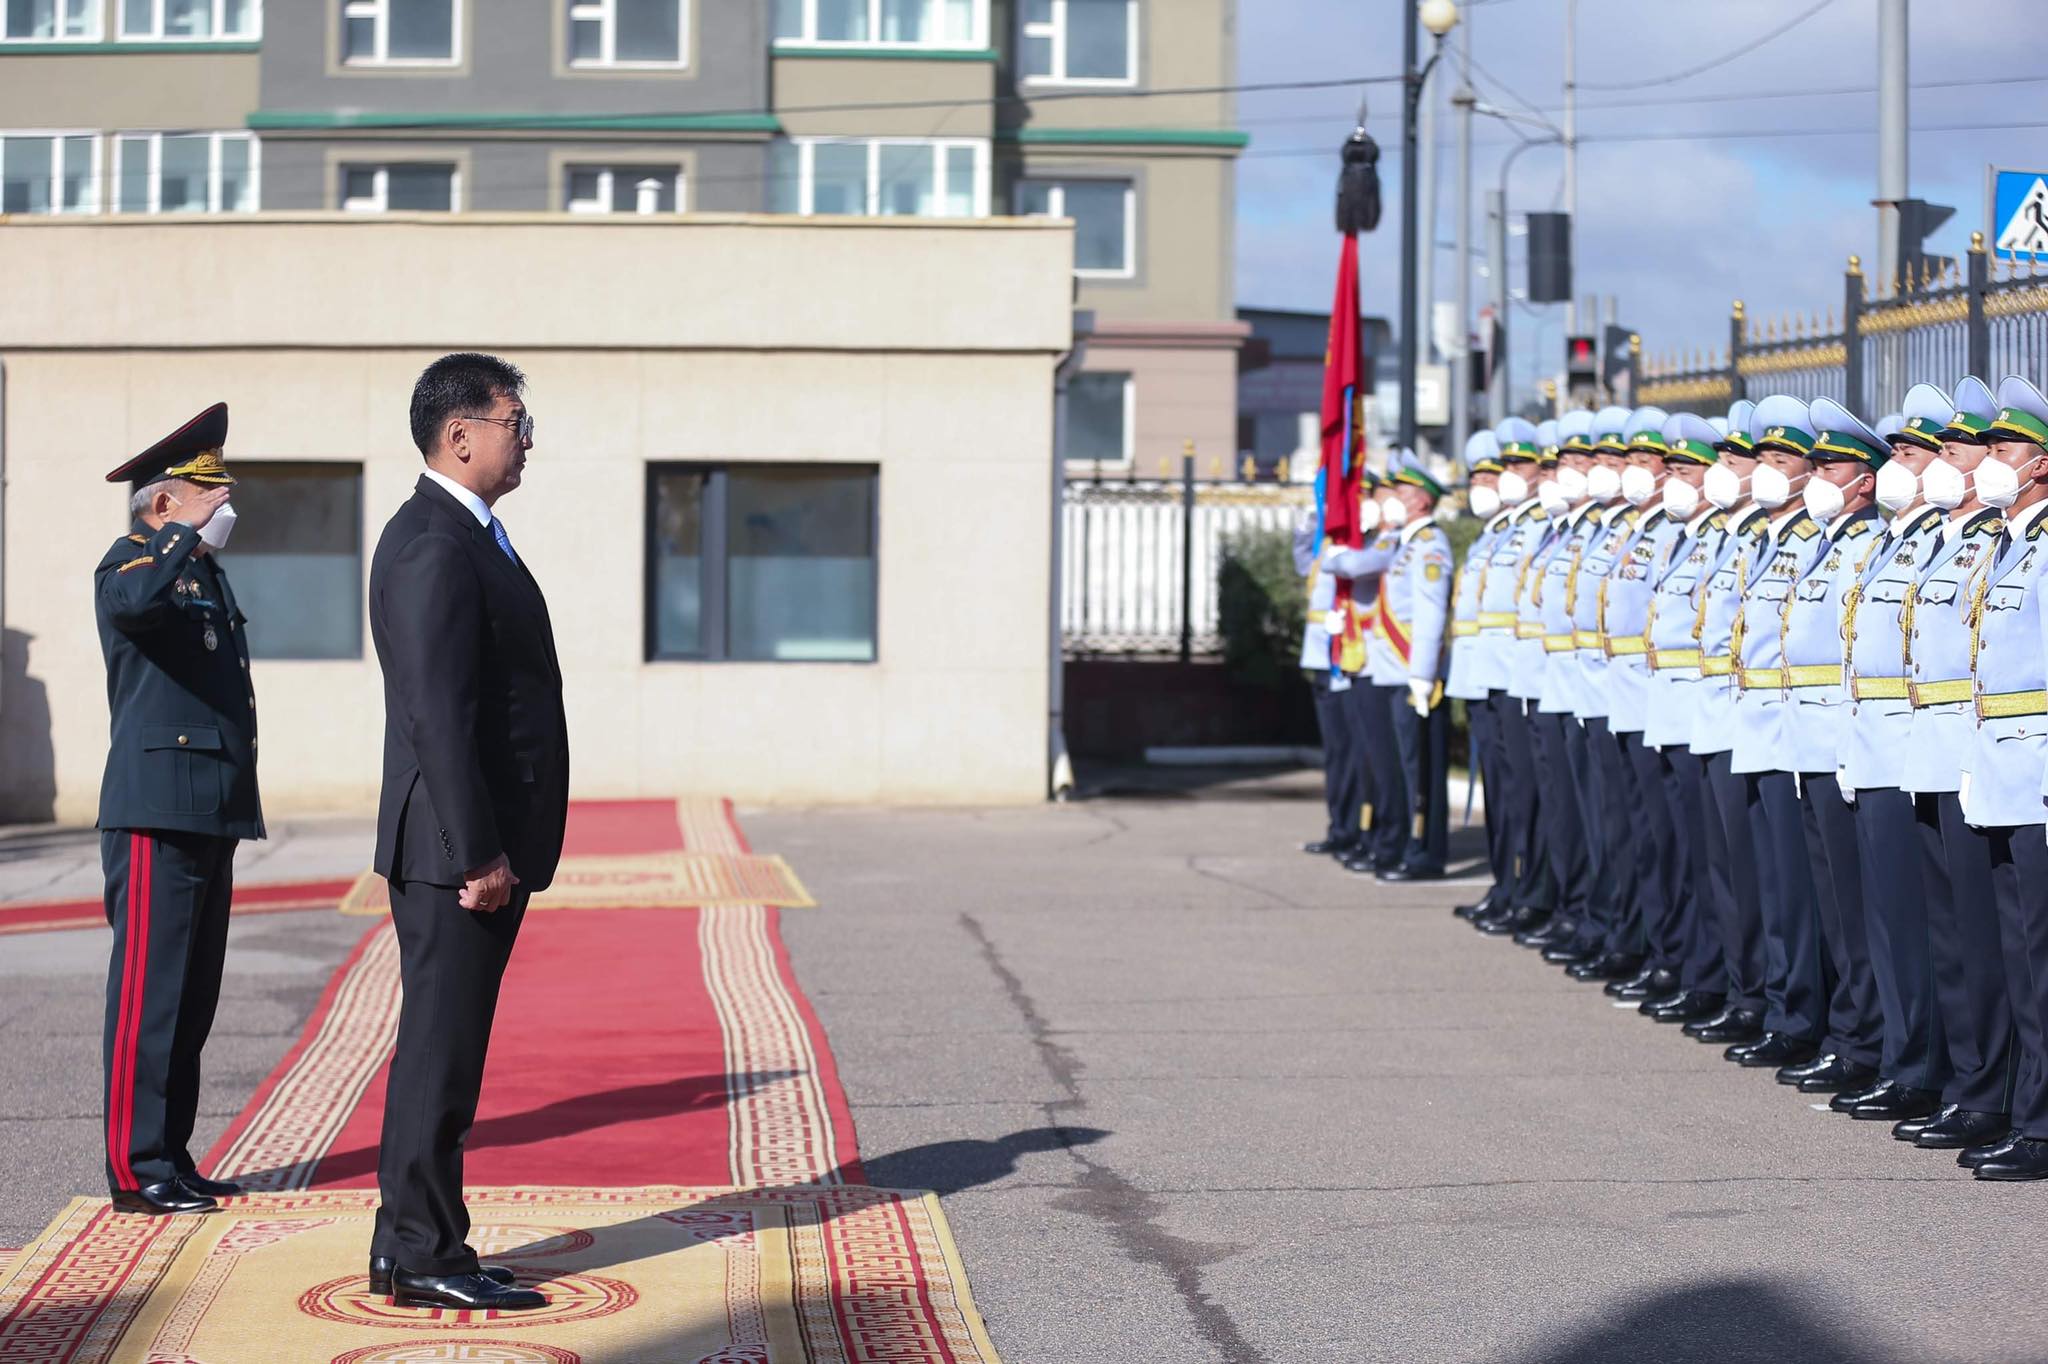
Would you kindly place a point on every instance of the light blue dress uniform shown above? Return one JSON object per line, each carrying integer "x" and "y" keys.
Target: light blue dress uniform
{"x": 1322, "y": 598}
{"x": 2007, "y": 762}
{"x": 1625, "y": 618}
{"x": 1555, "y": 591}
{"x": 1418, "y": 593}
{"x": 1534, "y": 539}
{"x": 1872, "y": 746}
{"x": 1383, "y": 666}
{"x": 1672, "y": 625}
{"x": 1614, "y": 528}
{"x": 1938, "y": 655}
{"x": 1479, "y": 664}
{"x": 1795, "y": 547}
{"x": 1816, "y": 711}
{"x": 1743, "y": 544}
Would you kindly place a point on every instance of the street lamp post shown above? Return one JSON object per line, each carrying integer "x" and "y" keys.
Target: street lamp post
{"x": 1440, "y": 17}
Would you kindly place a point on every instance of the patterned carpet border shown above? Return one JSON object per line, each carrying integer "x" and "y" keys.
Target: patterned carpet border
{"x": 661, "y": 880}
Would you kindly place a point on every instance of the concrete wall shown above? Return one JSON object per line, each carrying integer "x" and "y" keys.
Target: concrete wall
{"x": 109, "y": 90}
{"x": 925, "y": 349}
{"x": 812, "y": 82}
{"x": 513, "y": 174}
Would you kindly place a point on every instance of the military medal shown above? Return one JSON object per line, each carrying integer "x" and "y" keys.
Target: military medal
{"x": 212, "y": 639}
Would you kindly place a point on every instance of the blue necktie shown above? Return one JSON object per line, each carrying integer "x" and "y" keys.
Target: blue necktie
{"x": 504, "y": 540}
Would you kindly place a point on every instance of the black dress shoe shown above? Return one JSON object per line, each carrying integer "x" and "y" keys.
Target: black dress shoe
{"x": 1550, "y": 933}
{"x": 1652, "y": 982}
{"x": 209, "y": 1188}
{"x": 1834, "y": 1077}
{"x": 2027, "y": 1158}
{"x": 1688, "y": 1006}
{"x": 1618, "y": 966}
{"x": 1964, "y": 1127}
{"x": 477, "y": 1292}
{"x": 382, "y": 1265}
{"x": 1569, "y": 952}
{"x": 1327, "y": 847}
{"x": 1477, "y": 909}
{"x": 161, "y": 1200}
{"x": 1523, "y": 920}
{"x": 1360, "y": 864}
{"x": 1777, "y": 1049}
{"x": 1408, "y": 873}
{"x": 1970, "y": 1157}
{"x": 1908, "y": 1128}
{"x": 1889, "y": 1101}
{"x": 1730, "y": 1025}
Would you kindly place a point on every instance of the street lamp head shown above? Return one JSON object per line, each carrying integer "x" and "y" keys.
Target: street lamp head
{"x": 1439, "y": 16}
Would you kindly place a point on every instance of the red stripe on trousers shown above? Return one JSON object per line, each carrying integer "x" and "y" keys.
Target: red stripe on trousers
{"x": 128, "y": 1027}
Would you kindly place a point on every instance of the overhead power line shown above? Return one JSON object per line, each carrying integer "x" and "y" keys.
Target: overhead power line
{"x": 1723, "y": 60}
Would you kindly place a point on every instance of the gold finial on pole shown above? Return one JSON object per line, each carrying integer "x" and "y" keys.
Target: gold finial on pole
{"x": 1977, "y": 243}
{"x": 1738, "y": 304}
{"x": 1281, "y": 471}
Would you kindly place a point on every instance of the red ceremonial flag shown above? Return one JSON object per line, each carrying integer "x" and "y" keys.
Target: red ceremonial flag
{"x": 1338, "y": 479}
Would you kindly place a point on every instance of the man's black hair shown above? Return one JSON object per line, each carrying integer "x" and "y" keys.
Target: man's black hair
{"x": 465, "y": 384}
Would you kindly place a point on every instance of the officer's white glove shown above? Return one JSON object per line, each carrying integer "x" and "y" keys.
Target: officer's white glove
{"x": 1848, "y": 791}
{"x": 1368, "y": 516}
{"x": 1419, "y": 694}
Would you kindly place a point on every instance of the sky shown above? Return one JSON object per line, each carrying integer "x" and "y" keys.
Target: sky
{"x": 1679, "y": 215}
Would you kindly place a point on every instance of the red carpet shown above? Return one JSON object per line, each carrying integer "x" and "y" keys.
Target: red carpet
{"x": 264, "y": 899}
{"x": 632, "y": 1047}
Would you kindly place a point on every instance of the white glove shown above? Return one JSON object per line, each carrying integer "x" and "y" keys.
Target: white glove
{"x": 1418, "y": 695}
{"x": 1368, "y": 515}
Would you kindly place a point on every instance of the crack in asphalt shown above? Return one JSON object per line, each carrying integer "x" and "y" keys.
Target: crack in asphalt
{"x": 1193, "y": 862}
{"x": 1129, "y": 1212}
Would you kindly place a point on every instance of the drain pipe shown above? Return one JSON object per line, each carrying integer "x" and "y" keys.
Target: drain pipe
{"x": 1059, "y": 768}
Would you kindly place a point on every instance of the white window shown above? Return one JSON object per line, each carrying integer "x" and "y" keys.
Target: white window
{"x": 880, "y": 177}
{"x": 400, "y": 32}
{"x": 1080, "y": 42}
{"x": 190, "y": 20}
{"x": 1099, "y": 425}
{"x": 1105, "y": 221}
{"x": 49, "y": 172}
{"x": 882, "y": 23}
{"x": 623, "y": 189}
{"x": 401, "y": 187}
{"x": 629, "y": 32}
{"x": 50, "y": 21}
{"x": 185, "y": 173}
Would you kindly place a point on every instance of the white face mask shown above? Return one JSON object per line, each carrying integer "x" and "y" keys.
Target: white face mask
{"x": 1638, "y": 484}
{"x": 1897, "y": 486}
{"x": 1681, "y": 499}
{"x": 1395, "y": 513}
{"x": 1552, "y": 497}
{"x": 1369, "y": 515}
{"x": 1770, "y": 486}
{"x": 1573, "y": 484}
{"x": 1998, "y": 483}
{"x": 214, "y": 534}
{"x": 1513, "y": 487}
{"x": 1823, "y": 500}
{"x": 1603, "y": 483}
{"x": 1723, "y": 487}
{"x": 1944, "y": 485}
{"x": 1485, "y": 501}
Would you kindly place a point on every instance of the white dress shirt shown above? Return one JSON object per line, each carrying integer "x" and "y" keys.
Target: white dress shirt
{"x": 478, "y": 508}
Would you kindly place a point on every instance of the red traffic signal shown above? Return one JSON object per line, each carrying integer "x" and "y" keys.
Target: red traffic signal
{"x": 1581, "y": 360}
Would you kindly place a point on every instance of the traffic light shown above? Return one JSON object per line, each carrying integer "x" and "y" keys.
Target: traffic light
{"x": 1581, "y": 362}
{"x": 1550, "y": 257}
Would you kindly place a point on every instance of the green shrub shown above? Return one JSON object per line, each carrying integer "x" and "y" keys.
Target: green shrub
{"x": 1262, "y": 605}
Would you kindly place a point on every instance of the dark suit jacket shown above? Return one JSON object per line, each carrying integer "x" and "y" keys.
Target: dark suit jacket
{"x": 183, "y": 739}
{"x": 476, "y": 746}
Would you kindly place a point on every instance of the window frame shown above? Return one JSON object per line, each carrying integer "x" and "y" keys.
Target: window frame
{"x": 1130, "y": 424}
{"x": 379, "y": 12}
{"x": 382, "y": 199}
{"x": 360, "y": 469}
{"x": 607, "y": 17}
{"x": 219, "y": 34}
{"x": 977, "y": 42}
{"x": 216, "y": 139}
{"x": 607, "y": 170}
{"x": 806, "y": 148}
{"x": 1057, "y": 185}
{"x": 1055, "y": 30}
{"x": 715, "y": 627}
{"x": 96, "y": 27}
{"x": 96, "y": 182}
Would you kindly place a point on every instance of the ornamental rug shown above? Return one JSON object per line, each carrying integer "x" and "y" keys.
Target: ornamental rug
{"x": 276, "y": 898}
{"x": 655, "y": 880}
{"x": 836, "y": 1274}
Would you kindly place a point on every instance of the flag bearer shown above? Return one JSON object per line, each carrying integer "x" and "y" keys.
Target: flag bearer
{"x": 1414, "y": 620}
{"x": 1365, "y": 703}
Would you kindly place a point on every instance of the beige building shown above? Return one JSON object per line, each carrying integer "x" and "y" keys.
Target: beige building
{"x": 790, "y": 498}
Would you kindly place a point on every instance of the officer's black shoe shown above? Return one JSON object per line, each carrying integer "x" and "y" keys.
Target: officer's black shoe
{"x": 1908, "y": 1128}
{"x": 1688, "y": 1006}
{"x": 1618, "y": 966}
{"x": 1732, "y": 1024}
{"x": 1482, "y": 906}
{"x": 1360, "y": 863}
{"x": 1404, "y": 872}
{"x": 1652, "y": 982}
{"x": 1777, "y": 1049}
{"x": 1970, "y": 1157}
{"x": 1888, "y": 1101}
{"x": 1831, "y": 1074}
{"x": 1569, "y": 952}
{"x": 1496, "y": 919}
{"x": 161, "y": 1200}
{"x": 209, "y": 1188}
{"x": 1526, "y": 919}
{"x": 382, "y": 1265}
{"x": 477, "y": 1292}
{"x": 1964, "y": 1127}
{"x": 2027, "y": 1158}
{"x": 1324, "y": 847}
{"x": 1550, "y": 933}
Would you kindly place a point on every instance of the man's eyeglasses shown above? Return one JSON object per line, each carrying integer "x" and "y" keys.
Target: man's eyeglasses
{"x": 520, "y": 426}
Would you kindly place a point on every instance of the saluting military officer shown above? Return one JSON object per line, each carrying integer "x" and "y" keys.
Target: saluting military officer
{"x": 178, "y": 794}
{"x": 1415, "y": 610}
{"x": 1478, "y": 668}
{"x": 2007, "y": 764}
{"x": 1904, "y": 876}
{"x": 1367, "y": 705}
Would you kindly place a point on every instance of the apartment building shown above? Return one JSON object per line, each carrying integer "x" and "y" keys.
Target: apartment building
{"x": 935, "y": 108}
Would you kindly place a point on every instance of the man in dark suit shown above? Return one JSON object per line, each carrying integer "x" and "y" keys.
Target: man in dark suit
{"x": 469, "y": 825}
{"x": 178, "y": 795}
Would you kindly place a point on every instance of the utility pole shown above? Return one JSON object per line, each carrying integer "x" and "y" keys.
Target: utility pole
{"x": 1411, "y": 77}
{"x": 1425, "y": 265}
{"x": 1461, "y": 346}
{"x": 1571, "y": 151}
{"x": 1891, "y": 136}
{"x": 1497, "y": 269}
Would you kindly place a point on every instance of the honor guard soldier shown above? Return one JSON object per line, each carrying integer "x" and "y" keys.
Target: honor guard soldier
{"x": 1368, "y": 706}
{"x": 1529, "y": 905}
{"x": 1478, "y": 666}
{"x": 1343, "y": 769}
{"x": 178, "y": 794}
{"x": 1969, "y": 975}
{"x": 1904, "y": 875}
{"x": 1840, "y": 497}
{"x": 1414, "y": 619}
{"x": 2008, "y": 758}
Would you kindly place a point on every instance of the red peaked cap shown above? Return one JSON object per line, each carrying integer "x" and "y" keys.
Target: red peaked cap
{"x": 193, "y": 452}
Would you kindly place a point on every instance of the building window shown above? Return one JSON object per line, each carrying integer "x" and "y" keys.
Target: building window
{"x": 50, "y": 21}
{"x": 400, "y": 32}
{"x": 880, "y": 177}
{"x": 1105, "y": 221}
{"x": 185, "y": 173}
{"x": 297, "y": 558}
{"x": 1080, "y": 42}
{"x": 761, "y": 563}
{"x": 882, "y": 23}
{"x": 629, "y": 32}
{"x": 403, "y": 187}
{"x": 190, "y": 20}
{"x": 1099, "y": 425}
{"x": 49, "y": 172}
{"x": 623, "y": 189}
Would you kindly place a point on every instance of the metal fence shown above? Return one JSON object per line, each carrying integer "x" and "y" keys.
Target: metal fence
{"x": 1141, "y": 559}
{"x": 1985, "y": 317}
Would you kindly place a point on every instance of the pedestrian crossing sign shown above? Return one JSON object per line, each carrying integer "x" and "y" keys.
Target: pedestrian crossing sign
{"x": 2019, "y": 214}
